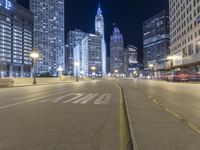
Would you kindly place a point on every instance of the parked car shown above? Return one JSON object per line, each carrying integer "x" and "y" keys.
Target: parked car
{"x": 198, "y": 76}
{"x": 178, "y": 76}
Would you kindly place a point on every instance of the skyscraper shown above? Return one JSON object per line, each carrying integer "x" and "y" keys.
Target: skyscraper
{"x": 16, "y": 36}
{"x": 49, "y": 34}
{"x": 156, "y": 38}
{"x": 116, "y": 51}
{"x": 74, "y": 38}
{"x": 99, "y": 29}
{"x": 88, "y": 54}
{"x": 185, "y": 34}
{"x": 131, "y": 59}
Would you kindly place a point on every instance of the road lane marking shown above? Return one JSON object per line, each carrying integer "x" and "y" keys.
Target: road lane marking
{"x": 155, "y": 101}
{"x": 43, "y": 101}
{"x": 30, "y": 100}
{"x": 89, "y": 99}
{"x": 82, "y": 98}
{"x": 79, "y": 95}
{"x": 85, "y": 99}
{"x": 103, "y": 99}
{"x": 60, "y": 98}
{"x": 195, "y": 128}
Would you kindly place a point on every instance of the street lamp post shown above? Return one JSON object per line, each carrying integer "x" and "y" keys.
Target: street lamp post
{"x": 60, "y": 70}
{"x": 77, "y": 64}
{"x": 34, "y": 56}
{"x": 93, "y": 72}
{"x": 152, "y": 68}
{"x": 82, "y": 74}
{"x": 116, "y": 72}
{"x": 170, "y": 58}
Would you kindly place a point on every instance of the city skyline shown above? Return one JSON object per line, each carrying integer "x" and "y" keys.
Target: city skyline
{"x": 99, "y": 74}
{"x": 114, "y": 11}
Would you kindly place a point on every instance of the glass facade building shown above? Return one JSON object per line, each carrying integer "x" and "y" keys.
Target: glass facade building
{"x": 16, "y": 40}
{"x": 156, "y": 40}
{"x": 49, "y": 34}
{"x": 116, "y": 52}
{"x": 74, "y": 38}
{"x": 131, "y": 59}
{"x": 88, "y": 53}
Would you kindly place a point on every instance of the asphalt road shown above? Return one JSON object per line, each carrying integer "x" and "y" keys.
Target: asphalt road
{"x": 163, "y": 115}
{"x": 88, "y": 116}
{"x": 73, "y": 116}
{"x": 182, "y": 98}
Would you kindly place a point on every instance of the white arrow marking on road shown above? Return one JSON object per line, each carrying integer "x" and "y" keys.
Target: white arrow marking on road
{"x": 85, "y": 99}
{"x": 60, "y": 98}
{"x": 72, "y": 99}
{"x": 103, "y": 99}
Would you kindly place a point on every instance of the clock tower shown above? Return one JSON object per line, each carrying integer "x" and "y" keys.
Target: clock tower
{"x": 99, "y": 28}
{"x": 99, "y": 22}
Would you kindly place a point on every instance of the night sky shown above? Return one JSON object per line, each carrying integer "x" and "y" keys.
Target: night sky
{"x": 127, "y": 14}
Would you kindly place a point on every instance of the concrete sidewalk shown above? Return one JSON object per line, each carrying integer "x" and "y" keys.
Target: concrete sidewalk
{"x": 154, "y": 128}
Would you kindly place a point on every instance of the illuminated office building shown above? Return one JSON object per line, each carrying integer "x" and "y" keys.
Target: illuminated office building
{"x": 16, "y": 36}
{"x": 88, "y": 53}
{"x": 131, "y": 59}
{"x": 49, "y": 34}
{"x": 185, "y": 34}
{"x": 74, "y": 38}
{"x": 156, "y": 39}
{"x": 116, "y": 52}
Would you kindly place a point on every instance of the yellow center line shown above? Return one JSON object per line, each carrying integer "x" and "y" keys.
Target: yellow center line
{"x": 123, "y": 137}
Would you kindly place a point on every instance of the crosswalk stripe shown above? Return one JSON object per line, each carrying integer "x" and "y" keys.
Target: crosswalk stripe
{"x": 86, "y": 99}
{"x": 60, "y": 98}
{"x": 43, "y": 101}
{"x": 72, "y": 99}
{"x": 103, "y": 99}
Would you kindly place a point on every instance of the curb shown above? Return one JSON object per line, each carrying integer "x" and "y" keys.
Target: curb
{"x": 135, "y": 145}
{"x": 131, "y": 129}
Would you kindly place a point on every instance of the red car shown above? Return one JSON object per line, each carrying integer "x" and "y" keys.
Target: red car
{"x": 179, "y": 76}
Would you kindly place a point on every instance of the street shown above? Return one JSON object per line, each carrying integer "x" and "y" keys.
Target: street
{"x": 182, "y": 98}
{"x": 163, "y": 115}
{"x": 86, "y": 115}
{"x": 59, "y": 117}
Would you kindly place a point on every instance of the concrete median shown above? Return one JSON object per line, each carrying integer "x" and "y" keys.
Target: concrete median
{"x": 13, "y": 82}
{"x": 6, "y": 83}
